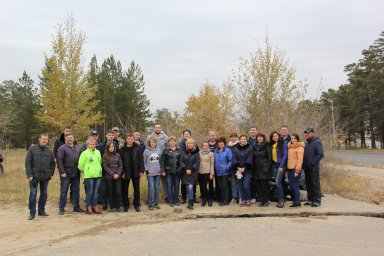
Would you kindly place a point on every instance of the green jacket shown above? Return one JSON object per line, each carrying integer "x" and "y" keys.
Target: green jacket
{"x": 90, "y": 163}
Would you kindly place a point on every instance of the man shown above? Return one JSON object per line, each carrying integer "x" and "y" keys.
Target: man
{"x": 117, "y": 137}
{"x": 61, "y": 140}
{"x": 252, "y": 142}
{"x": 95, "y": 136}
{"x": 139, "y": 141}
{"x": 67, "y": 161}
{"x": 212, "y": 141}
{"x": 313, "y": 153}
{"x": 133, "y": 169}
{"x": 162, "y": 142}
{"x": 252, "y": 136}
{"x": 39, "y": 167}
{"x": 285, "y": 134}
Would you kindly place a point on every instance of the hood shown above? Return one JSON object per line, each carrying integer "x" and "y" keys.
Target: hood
{"x": 313, "y": 139}
{"x": 297, "y": 145}
{"x": 243, "y": 146}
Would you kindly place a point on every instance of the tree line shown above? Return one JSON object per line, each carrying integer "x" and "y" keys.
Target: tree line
{"x": 262, "y": 91}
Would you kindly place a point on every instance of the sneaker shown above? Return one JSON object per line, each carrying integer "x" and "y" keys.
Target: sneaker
{"x": 43, "y": 214}
{"x": 233, "y": 201}
{"x": 150, "y": 207}
{"x": 31, "y": 217}
{"x": 113, "y": 210}
{"x": 78, "y": 210}
{"x": 243, "y": 203}
{"x": 315, "y": 204}
{"x": 295, "y": 205}
{"x": 253, "y": 200}
{"x": 308, "y": 203}
{"x": 61, "y": 212}
{"x": 171, "y": 204}
{"x": 89, "y": 210}
{"x": 157, "y": 206}
{"x": 119, "y": 209}
{"x": 248, "y": 204}
{"x": 137, "y": 208}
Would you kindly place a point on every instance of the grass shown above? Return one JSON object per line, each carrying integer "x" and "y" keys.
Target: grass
{"x": 14, "y": 184}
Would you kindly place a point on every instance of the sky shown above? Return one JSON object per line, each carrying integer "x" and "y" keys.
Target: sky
{"x": 180, "y": 45}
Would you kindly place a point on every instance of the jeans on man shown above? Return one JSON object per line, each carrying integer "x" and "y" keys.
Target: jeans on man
{"x": 190, "y": 191}
{"x": 91, "y": 190}
{"x": 64, "y": 186}
{"x": 136, "y": 191}
{"x": 173, "y": 188}
{"x": 312, "y": 182}
{"x": 153, "y": 184}
{"x": 294, "y": 186}
{"x": 33, "y": 184}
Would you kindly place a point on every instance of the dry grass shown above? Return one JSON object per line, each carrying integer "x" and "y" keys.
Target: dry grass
{"x": 14, "y": 185}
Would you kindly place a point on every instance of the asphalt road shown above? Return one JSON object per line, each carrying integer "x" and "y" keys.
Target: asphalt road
{"x": 360, "y": 156}
{"x": 236, "y": 236}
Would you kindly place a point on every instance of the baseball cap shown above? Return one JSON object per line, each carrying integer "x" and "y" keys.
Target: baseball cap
{"x": 308, "y": 130}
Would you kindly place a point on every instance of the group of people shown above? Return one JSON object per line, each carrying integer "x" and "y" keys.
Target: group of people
{"x": 237, "y": 172}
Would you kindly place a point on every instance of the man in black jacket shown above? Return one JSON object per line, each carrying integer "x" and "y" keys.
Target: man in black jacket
{"x": 133, "y": 169}
{"x": 39, "y": 167}
{"x": 313, "y": 153}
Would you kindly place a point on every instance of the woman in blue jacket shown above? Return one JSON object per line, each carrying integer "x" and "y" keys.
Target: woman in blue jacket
{"x": 279, "y": 154}
{"x": 223, "y": 165}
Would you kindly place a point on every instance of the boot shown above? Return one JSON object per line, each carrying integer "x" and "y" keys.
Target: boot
{"x": 280, "y": 203}
{"x": 203, "y": 202}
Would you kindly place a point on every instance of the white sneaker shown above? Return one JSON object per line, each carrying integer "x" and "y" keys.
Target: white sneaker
{"x": 253, "y": 200}
{"x": 233, "y": 201}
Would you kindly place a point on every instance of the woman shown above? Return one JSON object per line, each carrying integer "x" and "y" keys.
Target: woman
{"x": 261, "y": 169}
{"x": 242, "y": 168}
{"x": 189, "y": 166}
{"x": 294, "y": 164}
{"x": 279, "y": 153}
{"x": 169, "y": 163}
{"x": 223, "y": 165}
{"x": 206, "y": 172}
{"x": 113, "y": 168}
{"x": 90, "y": 164}
{"x": 235, "y": 189}
{"x": 151, "y": 157}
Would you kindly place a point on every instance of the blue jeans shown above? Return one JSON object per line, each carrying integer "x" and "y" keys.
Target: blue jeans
{"x": 173, "y": 188}
{"x": 153, "y": 184}
{"x": 33, "y": 184}
{"x": 235, "y": 186}
{"x": 91, "y": 191}
{"x": 244, "y": 184}
{"x": 190, "y": 191}
{"x": 294, "y": 186}
{"x": 279, "y": 179}
{"x": 75, "y": 183}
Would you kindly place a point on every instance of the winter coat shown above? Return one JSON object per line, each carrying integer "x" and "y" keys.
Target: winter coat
{"x": 242, "y": 157}
{"x": 313, "y": 153}
{"x": 223, "y": 161}
{"x": 207, "y": 162}
{"x": 261, "y": 161}
{"x": 90, "y": 163}
{"x": 137, "y": 166}
{"x": 170, "y": 161}
{"x": 282, "y": 153}
{"x": 190, "y": 160}
{"x": 68, "y": 159}
{"x": 162, "y": 141}
{"x": 40, "y": 163}
{"x": 295, "y": 156}
{"x": 181, "y": 145}
{"x": 114, "y": 167}
{"x": 152, "y": 161}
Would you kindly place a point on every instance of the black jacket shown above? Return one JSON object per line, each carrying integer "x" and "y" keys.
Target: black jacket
{"x": 313, "y": 153}
{"x": 137, "y": 158}
{"x": 242, "y": 157}
{"x": 170, "y": 161}
{"x": 40, "y": 163}
{"x": 261, "y": 161}
{"x": 190, "y": 161}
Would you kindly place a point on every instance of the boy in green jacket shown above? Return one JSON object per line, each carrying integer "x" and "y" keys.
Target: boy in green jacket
{"x": 90, "y": 165}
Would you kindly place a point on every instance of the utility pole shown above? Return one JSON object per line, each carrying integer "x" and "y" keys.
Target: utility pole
{"x": 333, "y": 124}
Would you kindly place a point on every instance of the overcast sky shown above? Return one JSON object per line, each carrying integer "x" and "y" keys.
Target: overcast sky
{"x": 182, "y": 44}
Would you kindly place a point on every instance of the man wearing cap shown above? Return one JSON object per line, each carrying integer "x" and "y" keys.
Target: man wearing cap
{"x": 117, "y": 137}
{"x": 313, "y": 153}
{"x": 95, "y": 136}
